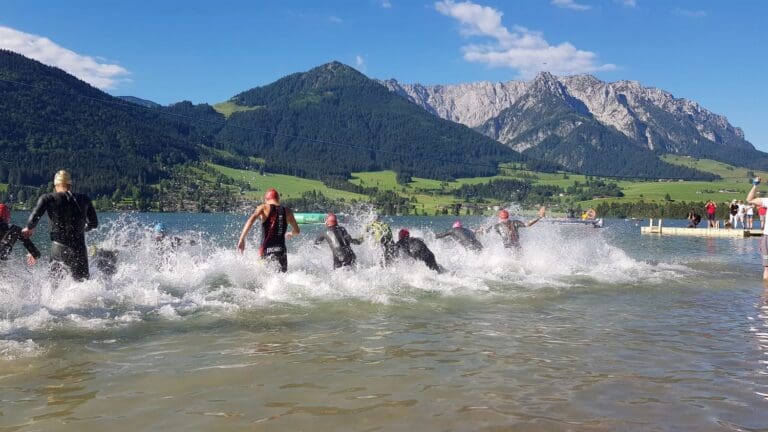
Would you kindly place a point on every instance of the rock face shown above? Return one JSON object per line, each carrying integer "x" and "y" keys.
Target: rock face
{"x": 469, "y": 104}
{"x": 524, "y": 115}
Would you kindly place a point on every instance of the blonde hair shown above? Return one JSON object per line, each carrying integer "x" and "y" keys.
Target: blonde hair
{"x": 62, "y": 178}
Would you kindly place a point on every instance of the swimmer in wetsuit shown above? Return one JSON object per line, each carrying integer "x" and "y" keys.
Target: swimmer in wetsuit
{"x": 71, "y": 216}
{"x": 10, "y": 234}
{"x": 382, "y": 234}
{"x": 417, "y": 249}
{"x": 274, "y": 222}
{"x": 508, "y": 229}
{"x": 339, "y": 241}
{"x": 463, "y": 236}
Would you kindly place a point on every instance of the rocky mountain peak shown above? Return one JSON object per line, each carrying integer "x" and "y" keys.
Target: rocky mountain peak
{"x": 648, "y": 116}
{"x": 546, "y": 82}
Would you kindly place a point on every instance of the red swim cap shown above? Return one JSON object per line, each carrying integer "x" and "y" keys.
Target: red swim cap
{"x": 403, "y": 234}
{"x": 271, "y": 194}
{"x": 503, "y": 215}
{"x": 457, "y": 224}
{"x": 330, "y": 220}
{"x": 5, "y": 213}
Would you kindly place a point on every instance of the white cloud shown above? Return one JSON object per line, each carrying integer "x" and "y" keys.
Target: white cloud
{"x": 627, "y": 3}
{"x": 335, "y": 19}
{"x": 570, "y": 4}
{"x": 94, "y": 71}
{"x": 688, "y": 13}
{"x": 360, "y": 63}
{"x": 521, "y": 49}
{"x": 386, "y": 4}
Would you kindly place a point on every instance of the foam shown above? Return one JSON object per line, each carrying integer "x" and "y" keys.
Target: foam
{"x": 206, "y": 276}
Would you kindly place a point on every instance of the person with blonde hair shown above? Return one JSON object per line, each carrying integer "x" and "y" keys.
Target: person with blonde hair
{"x": 71, "y": 216}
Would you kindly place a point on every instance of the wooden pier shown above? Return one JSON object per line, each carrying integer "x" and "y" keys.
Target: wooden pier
{"x": 698, "y": 232}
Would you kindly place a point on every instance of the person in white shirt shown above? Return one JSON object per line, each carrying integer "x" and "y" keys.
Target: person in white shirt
{"x": 752, "y": 199}
{"x": 750, "y": 216}
{"x": 740, "y": 215}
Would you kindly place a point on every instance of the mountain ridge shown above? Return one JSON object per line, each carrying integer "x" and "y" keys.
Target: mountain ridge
{"x": 649, "y": 117}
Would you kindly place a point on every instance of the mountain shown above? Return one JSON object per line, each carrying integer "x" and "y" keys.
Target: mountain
{"x": 139, "y": 101}
{"x": 333, "y": 120}
{"x": 649, "y": 119}
{"x": 50, "y": 120}
{"x": 323, "y": 123}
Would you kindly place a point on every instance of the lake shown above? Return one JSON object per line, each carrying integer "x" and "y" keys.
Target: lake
{"x": 583, "y": 330}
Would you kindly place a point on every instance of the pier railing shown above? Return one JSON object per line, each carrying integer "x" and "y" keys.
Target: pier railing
{"x": 658, "y": 228}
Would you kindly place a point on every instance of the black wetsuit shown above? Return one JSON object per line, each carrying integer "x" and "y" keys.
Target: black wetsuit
{"x": 340, "y": 242}
{"x": 417, "y": 249}
{"x": 273, "y": 236}
{"x": 71, "y": 215}
{"x": 510, "y": 237}
{"x": 9, "y": 235}
{"x": 464, "y": 236}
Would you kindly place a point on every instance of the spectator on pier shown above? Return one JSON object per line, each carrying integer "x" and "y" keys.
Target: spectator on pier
{"x": 711, "y": 208}
{"x": 693, "y": 219}
{"x": 734, "y": 211}
{"x": 740, "y": 213}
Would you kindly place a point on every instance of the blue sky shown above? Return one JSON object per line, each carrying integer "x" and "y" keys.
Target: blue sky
{"x": 713, "y": 52}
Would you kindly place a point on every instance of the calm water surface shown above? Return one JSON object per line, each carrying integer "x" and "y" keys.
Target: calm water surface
{"x": 585, "y": 330}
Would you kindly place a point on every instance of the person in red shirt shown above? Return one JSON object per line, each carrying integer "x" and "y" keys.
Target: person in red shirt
{"x": 711, "y": 209}
{"x": 762, "y": 211}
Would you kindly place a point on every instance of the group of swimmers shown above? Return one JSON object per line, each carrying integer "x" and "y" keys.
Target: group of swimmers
{"x": 72, "y": 215}
{"x": 275, "y": 219}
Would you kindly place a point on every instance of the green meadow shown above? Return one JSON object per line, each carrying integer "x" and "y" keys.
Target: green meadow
{"x": 428, "y": 194}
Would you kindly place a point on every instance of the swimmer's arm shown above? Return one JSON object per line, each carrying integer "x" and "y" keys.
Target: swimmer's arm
{"x": 542, "y": 213}
{"x": 443, "y": 234}
{"x": 751, "y": 196}
{"x": 34, "y": 217}
{"x": 352, "y": 240}
{"x": 295, "y": 230}
{"x": 483, "y": 230}
{"x": 247, "y": 227}
{"x": 91, "y": 219}
{"x": 348, "y": 237}
{"x": 31, "y": 248}
{"x": 320, "y": 238}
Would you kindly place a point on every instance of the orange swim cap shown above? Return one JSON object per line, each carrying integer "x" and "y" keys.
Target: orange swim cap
{"x": 271, "y": 194}
{"x": 330, "y": 220}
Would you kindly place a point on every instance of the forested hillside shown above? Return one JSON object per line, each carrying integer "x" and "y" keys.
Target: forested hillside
{"x": 334, "y": 120}
{"x": 51, "y": 120}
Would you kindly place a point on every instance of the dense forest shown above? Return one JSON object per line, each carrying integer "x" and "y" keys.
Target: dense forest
{"x": 333, "y": 120}
{"x": 50, "y": 120}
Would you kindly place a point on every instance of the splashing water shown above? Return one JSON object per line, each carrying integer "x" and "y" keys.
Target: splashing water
{"x": 194, "y": 272}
